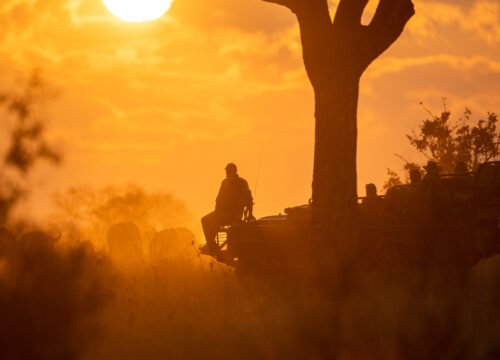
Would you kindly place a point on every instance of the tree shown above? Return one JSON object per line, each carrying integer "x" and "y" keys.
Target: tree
{"x": 448, "y": 142}
{"x": 393, "y": 180}
{"x": 27, "y": 141}
{"x": 336, "y": 53}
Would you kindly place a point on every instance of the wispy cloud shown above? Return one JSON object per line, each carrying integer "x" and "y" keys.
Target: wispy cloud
{"x": 399, "y": 64}
{"x": 480, "y": 18}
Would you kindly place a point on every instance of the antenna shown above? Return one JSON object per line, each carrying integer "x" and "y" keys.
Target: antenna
{"x": 258, "y": 173}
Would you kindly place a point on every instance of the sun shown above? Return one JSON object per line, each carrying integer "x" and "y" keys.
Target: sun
{"x": 138, "y": 10}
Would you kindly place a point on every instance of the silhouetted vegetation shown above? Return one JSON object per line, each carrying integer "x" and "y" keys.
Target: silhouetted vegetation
{"x": 51, "y": 293}
{"x": 88, "y": 213}
{"x": 23, "y": 118}
{"x": 147, "y": 293}
{"x": 449, "y": 142}
{"x": 190, "y": 308}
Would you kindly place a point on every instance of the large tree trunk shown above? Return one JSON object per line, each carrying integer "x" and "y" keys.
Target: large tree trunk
{"x": 336, "y": 53}
{"x": 334, "y": 181}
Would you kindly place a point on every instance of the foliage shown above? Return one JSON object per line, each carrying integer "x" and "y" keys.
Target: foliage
{"x": 110, "y": 205}
{"x": 27, "y": 140}
{"x": 449, "y": 142}
{"x": 94, "y": 211}
{"x": 393, "y": 180}
{"x": 51, "y": 293}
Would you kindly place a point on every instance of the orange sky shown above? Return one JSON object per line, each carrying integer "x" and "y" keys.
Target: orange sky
{"x": 167, "y": 104}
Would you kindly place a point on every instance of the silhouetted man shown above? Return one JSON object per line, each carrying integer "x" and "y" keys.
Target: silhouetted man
{"x": 371, "y": 204}
{"x": 431, "y": 171}
{"x": 461, "y": 167}
{"x": 432, "y": 192}
{"x": 415, "y": 176}
{"x": 234, "y": 197}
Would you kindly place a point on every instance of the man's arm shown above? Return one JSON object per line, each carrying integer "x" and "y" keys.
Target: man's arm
{"x": 248, "y": 200}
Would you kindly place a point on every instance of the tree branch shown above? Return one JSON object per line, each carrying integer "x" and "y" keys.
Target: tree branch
{"x": 387, "y": 25}
{"x": 349, "y": 13}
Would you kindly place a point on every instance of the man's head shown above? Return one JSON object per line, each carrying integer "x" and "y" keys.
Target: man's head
{"x": 371, "y": 190}
{"x": 231, "y": 169}
{"x": 432, "y": 168}
{"x": 415, "y": 176}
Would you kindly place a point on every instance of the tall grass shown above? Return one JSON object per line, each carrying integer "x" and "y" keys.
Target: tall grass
{"x": 71, "y": 298}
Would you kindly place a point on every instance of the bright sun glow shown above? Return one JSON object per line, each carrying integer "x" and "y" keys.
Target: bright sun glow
{"x": 138, "y": 10}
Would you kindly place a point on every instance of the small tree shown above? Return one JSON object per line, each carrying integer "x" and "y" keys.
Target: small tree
{"x": 27, "y": 141}
{"x": 448, "y": 142}
{"x": 393, "y": 180}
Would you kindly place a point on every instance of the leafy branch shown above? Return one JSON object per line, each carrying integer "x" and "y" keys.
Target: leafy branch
{"x": 28, "y": 142}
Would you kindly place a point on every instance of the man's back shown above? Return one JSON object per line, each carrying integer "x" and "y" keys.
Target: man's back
{"x": 234, "y": 195}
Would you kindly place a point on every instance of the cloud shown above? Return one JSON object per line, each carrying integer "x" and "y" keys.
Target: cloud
{"x": 480, "y": 18}
{"x": 396, "y": 64}
{"x": 243, "y": 15}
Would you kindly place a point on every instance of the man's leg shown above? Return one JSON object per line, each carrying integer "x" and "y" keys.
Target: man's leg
{"x": 211, "y": 224}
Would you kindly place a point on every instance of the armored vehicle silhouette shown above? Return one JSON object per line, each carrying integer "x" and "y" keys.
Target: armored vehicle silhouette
{"x": 453, "y": 222}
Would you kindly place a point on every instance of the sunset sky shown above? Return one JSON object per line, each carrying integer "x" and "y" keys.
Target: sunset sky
{"x": 166, "y": 104}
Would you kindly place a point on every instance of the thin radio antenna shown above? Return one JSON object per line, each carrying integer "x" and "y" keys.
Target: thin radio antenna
{"x": 258, "y": 173}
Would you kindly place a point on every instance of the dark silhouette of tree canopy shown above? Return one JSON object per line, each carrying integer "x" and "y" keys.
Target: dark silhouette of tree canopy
{"x": 336, "y": 53}
{"x": 448, "y": 142}
{"x": 27, "y": 140}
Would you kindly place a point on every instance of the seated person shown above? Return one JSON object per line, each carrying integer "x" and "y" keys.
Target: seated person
{"x": 415, "y": 177}
{"x": 432, "y": 194}
{"x": 371, "y": 204}
{"x": 233, "y": 198}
